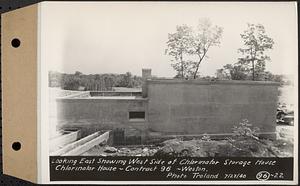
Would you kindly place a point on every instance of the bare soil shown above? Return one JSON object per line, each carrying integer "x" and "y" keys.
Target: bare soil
{"x": 231, "y": 147}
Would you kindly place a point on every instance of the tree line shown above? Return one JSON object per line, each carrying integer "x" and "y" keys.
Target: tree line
{"x": 93, "y": 82}
{"x": 188, "y": 48}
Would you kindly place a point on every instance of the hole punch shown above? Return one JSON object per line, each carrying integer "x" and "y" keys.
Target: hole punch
{"x": 16, "y": 146}
{"x": 15, "y": 43}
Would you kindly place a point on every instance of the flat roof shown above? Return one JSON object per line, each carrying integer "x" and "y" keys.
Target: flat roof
{"x": 112, "y": 97}
{"x": 105, "y": 98}
{"x": 210, "y": 82}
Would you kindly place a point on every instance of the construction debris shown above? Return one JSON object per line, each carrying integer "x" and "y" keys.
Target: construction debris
{"x": 110, "y": 150}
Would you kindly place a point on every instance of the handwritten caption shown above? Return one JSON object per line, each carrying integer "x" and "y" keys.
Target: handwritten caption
{"x": 156, "y": 168}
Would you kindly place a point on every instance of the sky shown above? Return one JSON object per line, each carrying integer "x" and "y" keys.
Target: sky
{"x": 116, "y": 37}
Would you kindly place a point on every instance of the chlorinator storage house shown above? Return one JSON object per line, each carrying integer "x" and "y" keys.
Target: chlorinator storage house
{"x": 172, "y": 107}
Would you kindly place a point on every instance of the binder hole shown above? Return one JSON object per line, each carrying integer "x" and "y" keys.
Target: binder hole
{"x": 16, "y": 146}
{"x": 15, "y": 43}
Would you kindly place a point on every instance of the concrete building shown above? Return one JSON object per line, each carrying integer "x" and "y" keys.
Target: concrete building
{"x": 169, "y": 107}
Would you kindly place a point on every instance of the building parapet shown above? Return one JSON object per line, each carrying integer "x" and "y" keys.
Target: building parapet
{"x": 203, "y": 82}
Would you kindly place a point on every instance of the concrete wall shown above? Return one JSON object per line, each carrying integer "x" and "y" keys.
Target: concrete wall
{"x": 197, "y": 107}
{"x": 94, "y": 114}
{"x": 176, "y": 107}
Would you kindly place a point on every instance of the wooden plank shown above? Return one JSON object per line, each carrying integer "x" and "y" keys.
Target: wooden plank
{"x": 87, "y": 146}
{"x": 63, "y": 140}
{"x": 71, "y": 146}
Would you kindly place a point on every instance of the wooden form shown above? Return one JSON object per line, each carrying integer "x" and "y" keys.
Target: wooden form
{"x": 62, "y": 140}
{"x": 79, "y": 147}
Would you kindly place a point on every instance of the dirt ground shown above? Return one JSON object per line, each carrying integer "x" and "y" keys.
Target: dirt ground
{"x": 231, "y": 147}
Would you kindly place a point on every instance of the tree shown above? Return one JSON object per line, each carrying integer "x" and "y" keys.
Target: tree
{"x": 71, "y": 83}
{"x": 205, "y": 37}
{"x": 98, "y": 82}
{"x": 54, "y": 78}
{"x": 93, "y": 82}
{"x": 189, "y": 46}
{"x": 108, "y": 82}
{"x": 232, "y": 72}
{"x": 125, "y": 80}
{"x": 238, "y": 72}
{"x": 77, "y": 73}
{"x": 256, "y": 42}
{"x": 178, "y": 45}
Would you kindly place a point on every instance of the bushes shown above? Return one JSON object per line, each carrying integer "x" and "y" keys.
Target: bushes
{"x": 245, "y": 130}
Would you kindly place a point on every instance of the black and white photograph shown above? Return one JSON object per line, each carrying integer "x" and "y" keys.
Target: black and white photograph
{"x": 172, "y": 80}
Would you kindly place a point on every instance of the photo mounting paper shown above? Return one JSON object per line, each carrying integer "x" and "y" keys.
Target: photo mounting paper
{"x": 167, "y": 92}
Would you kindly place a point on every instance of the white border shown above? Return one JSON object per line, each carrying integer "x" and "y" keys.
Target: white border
{"x": 44, "y": 176}
{"x": 39, "y": 95}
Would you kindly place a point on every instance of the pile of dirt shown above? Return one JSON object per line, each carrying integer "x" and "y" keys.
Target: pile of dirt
{"x": 246, "y": 147}
{"x": 226, "y": 148}
{"x": 122, "y": 151}
{"x": 137, "y": 151}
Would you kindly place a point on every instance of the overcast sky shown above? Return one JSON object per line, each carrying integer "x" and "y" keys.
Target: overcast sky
{"x": 95, "y": 37}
